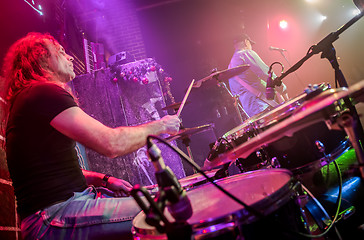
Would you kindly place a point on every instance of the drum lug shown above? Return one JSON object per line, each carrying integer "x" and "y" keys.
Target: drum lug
{"x": 320, "y": 146}
{"x": 275, "y": 163}
{"x": 346, "y": 214}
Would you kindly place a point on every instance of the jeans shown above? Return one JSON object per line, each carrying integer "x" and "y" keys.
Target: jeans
{"x": 86, "y": 215}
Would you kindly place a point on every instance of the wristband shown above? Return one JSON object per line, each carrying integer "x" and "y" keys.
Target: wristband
{"x": 105, "y": 179}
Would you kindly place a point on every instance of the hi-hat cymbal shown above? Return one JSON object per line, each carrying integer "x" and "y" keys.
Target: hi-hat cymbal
{"x": 174, "y": 106}
{"x": 187, "y": 132}
{"x": 223, "y": 75}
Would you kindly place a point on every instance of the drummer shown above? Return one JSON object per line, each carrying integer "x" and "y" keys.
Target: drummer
{"x": 55, "y": 199}
{"x": 250, "y": 85}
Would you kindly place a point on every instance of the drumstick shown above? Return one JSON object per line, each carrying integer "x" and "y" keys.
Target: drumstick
{"x": 185, "y": 98}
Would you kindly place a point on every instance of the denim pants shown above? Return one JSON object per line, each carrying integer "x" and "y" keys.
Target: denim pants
{"x": 86, "y": 215}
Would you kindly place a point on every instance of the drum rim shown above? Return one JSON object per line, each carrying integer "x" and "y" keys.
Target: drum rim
{"x": 279, "y": 198}
{"x": 318, "y": 164}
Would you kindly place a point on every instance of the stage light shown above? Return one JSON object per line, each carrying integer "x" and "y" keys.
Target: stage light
{"x": 323, "y": 18}
{"x": 283, "y": 24}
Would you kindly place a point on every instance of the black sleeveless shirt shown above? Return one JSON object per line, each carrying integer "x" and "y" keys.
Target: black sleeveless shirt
{"x": 42, "y": 162}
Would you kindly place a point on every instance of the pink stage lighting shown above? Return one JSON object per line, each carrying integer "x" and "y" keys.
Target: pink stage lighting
{"x": 283, "y": 24}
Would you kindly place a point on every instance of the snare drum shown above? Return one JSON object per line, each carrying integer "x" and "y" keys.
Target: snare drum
{"x": 306, "y": 146}
{"x": 251, "y": 128}
{"x": 309, "y": 144}
{"x": 195, "y": 180}
{"x": 216, "y": 216}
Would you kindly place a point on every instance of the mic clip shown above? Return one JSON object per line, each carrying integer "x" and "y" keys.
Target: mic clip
{"x": 270, "y": 92}
{"x": 179, "y": 230}
{"x": 154, "y": 213}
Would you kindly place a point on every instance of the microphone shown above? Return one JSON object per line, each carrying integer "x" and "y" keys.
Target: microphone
{"x": 269, "y": 91}
{"x": 178, "y": 204}
{"x": 277, "y": 49}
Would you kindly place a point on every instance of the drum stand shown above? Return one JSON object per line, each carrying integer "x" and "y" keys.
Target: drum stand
{"x": 350, "y": 124}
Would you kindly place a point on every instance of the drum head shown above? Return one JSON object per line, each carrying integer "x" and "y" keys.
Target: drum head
{"x": 260, "y": 189}
{"x": 255, "y": 189}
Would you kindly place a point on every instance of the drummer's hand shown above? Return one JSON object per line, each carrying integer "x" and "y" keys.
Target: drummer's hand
{"x": 171, "y": 124}
{"x": 121, "y": 188}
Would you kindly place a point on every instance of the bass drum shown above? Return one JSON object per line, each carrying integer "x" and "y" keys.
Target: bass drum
{"x": 216, "y": 216}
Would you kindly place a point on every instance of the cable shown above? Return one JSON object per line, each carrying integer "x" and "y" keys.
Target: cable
{"x": 338, "y": 202}
{"x": 271, "y": 66}
{"x": 198, "y": 169}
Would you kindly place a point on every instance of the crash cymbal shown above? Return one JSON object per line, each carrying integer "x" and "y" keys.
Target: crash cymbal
{"x": 187, "y": 132}
{"x": 174, "y": 106}
{"x": 223, "y": 75}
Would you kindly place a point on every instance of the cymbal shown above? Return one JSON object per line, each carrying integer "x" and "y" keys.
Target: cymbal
{"x": 312, "y": 111}
{"x": 223, "y": 75}
{"x": 187, "y": 132}
{"x": 174, "y": 106}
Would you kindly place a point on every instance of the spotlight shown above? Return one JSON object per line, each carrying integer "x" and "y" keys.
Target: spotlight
{"x": 323, "y": 18}
{"x": 283, "y": 24}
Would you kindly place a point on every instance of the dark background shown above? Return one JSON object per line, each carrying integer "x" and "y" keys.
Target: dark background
{"x": 189, "y": 38}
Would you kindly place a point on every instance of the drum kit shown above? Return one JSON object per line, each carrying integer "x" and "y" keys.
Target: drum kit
{"x": 294, "y": 138}
{"x": 268, "y": 198}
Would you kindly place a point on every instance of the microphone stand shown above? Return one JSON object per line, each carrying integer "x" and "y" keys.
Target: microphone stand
{"x": 179, "y": 230}
{"x": 325, "y": 46}
{"x": 171, "y": 194}
{"x": 290, "y": 65}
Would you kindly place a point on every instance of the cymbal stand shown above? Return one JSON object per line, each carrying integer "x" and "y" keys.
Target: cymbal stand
{"x": 237, "y": 104}
{"x": 186, "y": 141}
